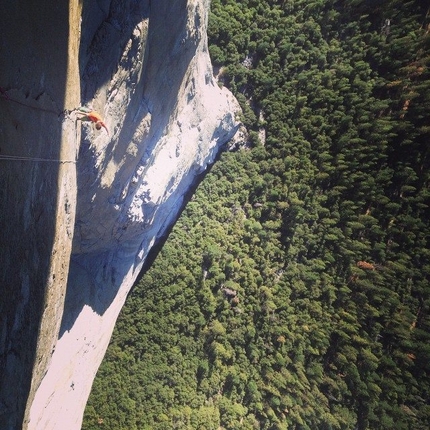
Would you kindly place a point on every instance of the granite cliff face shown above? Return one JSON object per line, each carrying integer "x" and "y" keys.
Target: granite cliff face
{"x": 76, "y": 234}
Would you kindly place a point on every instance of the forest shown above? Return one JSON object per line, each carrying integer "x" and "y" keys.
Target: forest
{"x": 293, "y": 292}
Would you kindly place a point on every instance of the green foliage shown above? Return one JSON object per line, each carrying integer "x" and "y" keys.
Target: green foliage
{"x": 293, "y": 292}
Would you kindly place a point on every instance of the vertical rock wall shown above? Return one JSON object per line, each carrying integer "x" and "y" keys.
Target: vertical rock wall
{"x": 145, "y": 67}
{"x": 39, "y": 78}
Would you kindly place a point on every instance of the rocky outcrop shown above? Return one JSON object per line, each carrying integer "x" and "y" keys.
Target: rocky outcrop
{"x": 146, "y": 69}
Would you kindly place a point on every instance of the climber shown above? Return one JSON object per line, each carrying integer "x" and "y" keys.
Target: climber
{"x": 93, "y": 116}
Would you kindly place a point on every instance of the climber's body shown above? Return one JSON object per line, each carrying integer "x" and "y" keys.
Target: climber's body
{"x": 93, "y": 116}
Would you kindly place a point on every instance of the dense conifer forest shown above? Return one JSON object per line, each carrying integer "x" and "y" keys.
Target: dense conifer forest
{"x": 293, "y": 292}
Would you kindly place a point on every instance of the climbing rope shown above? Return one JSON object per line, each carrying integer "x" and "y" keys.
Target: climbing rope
{"x": 88, "y": 115}
{"x": 35, "y": 107}
{"x": 6, "y": 96}
{"x": 22, "y": 158}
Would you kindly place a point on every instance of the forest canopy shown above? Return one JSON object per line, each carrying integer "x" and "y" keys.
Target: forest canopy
{"x": 293, "y": 292}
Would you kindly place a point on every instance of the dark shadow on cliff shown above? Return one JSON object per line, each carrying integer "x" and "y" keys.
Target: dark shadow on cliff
{"x": 33, "y": 74}
{"x": 93, "y": 282}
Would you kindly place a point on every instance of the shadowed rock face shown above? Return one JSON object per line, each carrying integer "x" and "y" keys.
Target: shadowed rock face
{"x": 40, "y": 76}
{"x": 145, "y": 68}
